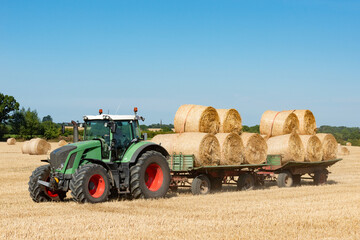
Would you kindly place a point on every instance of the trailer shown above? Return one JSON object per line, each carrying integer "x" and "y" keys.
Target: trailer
{"x": 206, "y": 179}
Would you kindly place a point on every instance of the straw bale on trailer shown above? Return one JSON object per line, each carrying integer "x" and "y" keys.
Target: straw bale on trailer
{"x": 196, "y": 118}
{"x": 255, "y": 148}
{"x": 344, "y": 151}
{"x": 289, "y": 146}
{"x": 278, "y": 123}
{"x": 232, "y": 148}
{"x": 230, "y": 120}
{"x": 313, "y": 148}
{"x": 167, "y": 141}
{"x": 204, "y": 146}
{"x": 329, "y": 146}
{"x": 62, "y": 143}
{"x": 38, "y": 146}
{"x": 307, "y": 123}
{"x": 11, "y": 141}
{"x": 25, "y": 147}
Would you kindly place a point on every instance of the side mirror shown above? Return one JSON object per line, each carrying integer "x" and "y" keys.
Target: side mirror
{"x": 144, "y": 136}
{"x": 63, "y": 128}
{"x": 113, "y": 127}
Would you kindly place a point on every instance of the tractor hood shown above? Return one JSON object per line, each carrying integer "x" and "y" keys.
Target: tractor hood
{"x": 59, "y": 156}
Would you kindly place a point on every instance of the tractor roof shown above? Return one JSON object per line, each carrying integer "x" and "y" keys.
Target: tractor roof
{"x": 108, "y": 116}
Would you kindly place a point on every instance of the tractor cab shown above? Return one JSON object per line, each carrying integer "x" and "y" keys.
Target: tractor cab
{"x": 116, "y": 133}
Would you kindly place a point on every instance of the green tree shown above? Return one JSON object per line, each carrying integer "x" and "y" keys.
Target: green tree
{"x": 32, "y": 124}
{"x": 51, "y": 130}
{"x": 47, "y": 118}
{"x": 17, "y": 120}
{"x": 8, "y": 104}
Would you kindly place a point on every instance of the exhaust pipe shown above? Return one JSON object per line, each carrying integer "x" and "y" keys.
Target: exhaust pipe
{"x": 76, "y": 131}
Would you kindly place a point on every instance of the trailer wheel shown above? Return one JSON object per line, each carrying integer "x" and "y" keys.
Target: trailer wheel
{"x": 297, "y": 180}
{"x": 216, "y": 184}
{"x": 90, "y": 183}
{"x": 320, "y": 177}
{"x": 285, "y": 179}
{"x": 40, "y": 193}
{"x": 150, "y": 176}
{"x": 200, "y": 185}
{"x": 245, "y": 182}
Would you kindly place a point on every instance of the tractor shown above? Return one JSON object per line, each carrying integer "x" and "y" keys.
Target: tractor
{"x": 113, "y": 159}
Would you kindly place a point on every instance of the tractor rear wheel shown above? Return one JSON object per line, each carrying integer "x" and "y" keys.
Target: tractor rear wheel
{"x": 40, "y": 193}
{"x": 201, "y": 185}
{"x": 90, "y": 183}
{"x": 285, "y": 179}
{"x": 150, "y": 176}
{"x": 245, "y": 182}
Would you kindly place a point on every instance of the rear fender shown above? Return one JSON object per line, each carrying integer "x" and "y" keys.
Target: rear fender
{"x": 135, "y": 151}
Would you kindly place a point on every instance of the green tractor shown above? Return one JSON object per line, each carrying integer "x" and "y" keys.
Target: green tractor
{"x": 112, "y": 159}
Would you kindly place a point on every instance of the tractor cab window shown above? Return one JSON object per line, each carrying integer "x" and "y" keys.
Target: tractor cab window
{"x": 123, "y": 136}
{"x": 97, "y": 130}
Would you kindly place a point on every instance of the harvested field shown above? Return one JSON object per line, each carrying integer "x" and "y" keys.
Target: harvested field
{"x": 307, "y": 212}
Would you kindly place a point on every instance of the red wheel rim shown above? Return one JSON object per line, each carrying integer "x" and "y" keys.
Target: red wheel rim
{"x": 96, "y": 186}
{"x": 154, "y": 177}
{"x": 49, "y": 192}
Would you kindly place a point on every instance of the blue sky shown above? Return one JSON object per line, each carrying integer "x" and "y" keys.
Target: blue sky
{"x": 70, "y": 58}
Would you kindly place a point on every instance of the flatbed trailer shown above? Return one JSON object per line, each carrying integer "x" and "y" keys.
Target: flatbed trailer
{"x": 206, "y": 179}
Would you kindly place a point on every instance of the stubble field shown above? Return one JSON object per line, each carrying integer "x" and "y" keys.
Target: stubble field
{"x": 331, "y": 211}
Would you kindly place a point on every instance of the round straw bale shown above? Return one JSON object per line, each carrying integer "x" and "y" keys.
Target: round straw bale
{"x": 307, "y": 123}
{"x": 205, "y": 147}
{"x": 278, "y": 123}
{"x": 230, "y": 120}
{"x": 255, "y": 148}
{"x": 348, "y": 144}
{"x": 231, "y": 147}
{"x": 289, "y": 146}
{"x": 196, "y": 118}
{"x": 11, "y": 141}
{"x": 167, "y": 141}
{"x": 62, "y": 143}
{"x": 344, "y": 151}
{"x": 25, "y": 147}
{"x": 38, "y": 146}
{"x": 329, "y": 145}
{"x": 313, "y": 148}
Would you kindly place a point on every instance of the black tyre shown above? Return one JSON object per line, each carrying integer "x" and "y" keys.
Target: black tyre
{"x": 150, "y": 176}
{"x": 201, "y": 185}
{"x": 216, "y": 184}
{"x": 90, "y": 183}
{"x": 320, "y": 177}
{"x": 285, "y": 179}
{"x": 296, "y": 180}
{"x": 245, "y": 182}
{"x": 40, "y": 193}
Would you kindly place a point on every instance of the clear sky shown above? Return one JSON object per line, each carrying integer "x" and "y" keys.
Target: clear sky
{"x": 70, "y": 58}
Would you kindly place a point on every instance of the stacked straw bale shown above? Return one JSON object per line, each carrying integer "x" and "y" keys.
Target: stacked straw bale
{"x": 274, "y": 123}
{"x": 62, "y": 143}
{"x": 230, "y": 121}
{"x": 204, "y": 146}
{"x": 329, "y": 146}
{"x": 232, "y": 148}
{"x": 11, "y": 141}
{"x": 289, "y": 146}
{"x": 255, "y": 148}
{"x": 313, "y": 148}
{"x": 196, "y": 118}
{"x": 307, "y": 123}
{"x": 344, "y": 151}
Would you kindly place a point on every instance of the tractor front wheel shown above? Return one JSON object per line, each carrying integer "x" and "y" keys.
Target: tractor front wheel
{"x": 40, "y": 193}
{"x": 150, "y": 176}
{"x": 90, "y": 183}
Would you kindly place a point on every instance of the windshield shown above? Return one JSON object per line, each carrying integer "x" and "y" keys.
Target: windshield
{"x": 97, "y": 130}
